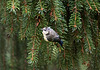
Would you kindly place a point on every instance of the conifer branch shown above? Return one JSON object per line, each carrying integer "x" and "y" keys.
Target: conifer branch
{"x": 26, "y": 27}
{"x": 11, "y": 23}
{"x": 75, "y": 14}
{"x": 89, "y": 4}
{"x": 95, "y": 7}
{"x": 86, "y": 35}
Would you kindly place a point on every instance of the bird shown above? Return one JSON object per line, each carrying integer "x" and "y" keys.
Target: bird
{"x": 51, "y": 36}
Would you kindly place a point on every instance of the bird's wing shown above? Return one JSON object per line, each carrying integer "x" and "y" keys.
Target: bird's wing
{"x": 52, "y": 36}
{"x": 53, "y": 33}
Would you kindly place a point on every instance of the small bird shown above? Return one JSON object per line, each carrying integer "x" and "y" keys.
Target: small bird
{"x": 50, "y": 35}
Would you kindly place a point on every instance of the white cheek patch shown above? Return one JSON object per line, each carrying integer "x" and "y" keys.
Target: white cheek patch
{"x": 44, "y": 34}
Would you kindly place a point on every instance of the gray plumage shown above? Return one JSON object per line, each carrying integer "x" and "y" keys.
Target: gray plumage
{"x": 50, "y": 35}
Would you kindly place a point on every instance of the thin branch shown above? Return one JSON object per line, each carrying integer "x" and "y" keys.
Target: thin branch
{"x": 89, "y": 4}
{"x": 95, "y": 7}
{"x": 86, "y": 35}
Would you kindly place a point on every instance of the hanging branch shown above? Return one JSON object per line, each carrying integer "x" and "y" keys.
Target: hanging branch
{"x": 21, "y": 30}
{"x": 12, "y": 55}
{"x": 13, "y": 6}
{"x": 75, "y": 14}
{"x": 95, "y": 7}
{"x": 55, "y": 15}
{"x": 12, "y": 23}
{"x": 82, "y": 40}
{"x": 33, "y": 48}
{"x": 27, "y": 26}
{"x": 86, "y": 35}
{"x": 89, "y": 4}
{"x": 33, "y": 43}
{"x": 25, "y": 5}
{"x": 41, "y": 5}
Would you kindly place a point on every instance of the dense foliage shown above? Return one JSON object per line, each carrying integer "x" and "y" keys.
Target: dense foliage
{"x": 22, "y": 46}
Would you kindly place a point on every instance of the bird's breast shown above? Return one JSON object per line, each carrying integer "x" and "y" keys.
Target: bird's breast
{"x": 45, "y": 38}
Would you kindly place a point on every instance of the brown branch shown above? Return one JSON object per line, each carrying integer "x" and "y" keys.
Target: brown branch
{"x": 26, "y": 27}
{"x": 25, "y": 5}
{"x": 21, "y": 31}
{"x": 75, "y": 21}
{"x": 86, "y": 35}
{"x": 95, "y": 7}
{"x": 32, "y": 51}
{"x": 82, "y": 50}
{"x": 33, "y": 44}
{"x": 13, "y": 6}
{"x": 87, "y": 40}
{"x": 11, "y": 27}
{"x": 33, "y": 48}
{"x": 53, "y": 10}
{"x": 11, "y": 22}
{"x": 75, "y": 14}
{"x": 73, "y": 63}
{"x": 41, "y": 5}
{"x": 89, "y": 4}
{"x": 55, "y": 15}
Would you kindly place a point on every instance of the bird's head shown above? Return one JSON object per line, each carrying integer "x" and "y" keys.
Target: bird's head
{"x": 45, "y": 30}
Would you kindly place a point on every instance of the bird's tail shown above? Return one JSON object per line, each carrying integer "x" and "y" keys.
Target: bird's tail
{"x": 61, "y": 43}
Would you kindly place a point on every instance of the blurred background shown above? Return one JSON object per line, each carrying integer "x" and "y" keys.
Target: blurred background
{"x": 22, "y": 46}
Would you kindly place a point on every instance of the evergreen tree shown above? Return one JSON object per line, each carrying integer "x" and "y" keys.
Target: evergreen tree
{"x": 22, "y": 46}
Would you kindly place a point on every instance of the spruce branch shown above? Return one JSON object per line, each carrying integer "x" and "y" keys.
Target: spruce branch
{"x": 89, "y": 4}
{"x": 95, "y": 7}
{"x": 86, "y": 35}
